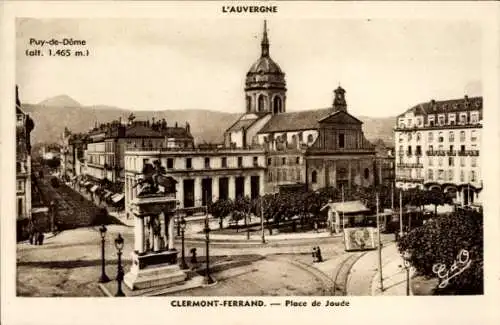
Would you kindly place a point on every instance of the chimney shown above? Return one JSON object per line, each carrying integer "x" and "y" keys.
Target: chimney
{"x": 188, "y": 127}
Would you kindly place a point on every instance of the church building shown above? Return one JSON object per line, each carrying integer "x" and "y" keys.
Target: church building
{"x": 316, "y": 148}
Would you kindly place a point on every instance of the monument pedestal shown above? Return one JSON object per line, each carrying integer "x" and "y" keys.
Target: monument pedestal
{"x": 154, "y": 269}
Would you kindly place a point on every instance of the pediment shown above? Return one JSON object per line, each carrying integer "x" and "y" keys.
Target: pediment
{"x": 340, "y": 117}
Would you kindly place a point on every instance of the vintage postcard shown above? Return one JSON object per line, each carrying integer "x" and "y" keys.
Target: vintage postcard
{"x": 297, "y": 160}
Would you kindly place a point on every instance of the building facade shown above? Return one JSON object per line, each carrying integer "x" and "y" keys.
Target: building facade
{"x": 24, "y": 126}
{"x": 385, "y": 167}
{"x": 438, "y": 146}
{"x": 104, "y": 156}
{"x": 201, "y": 175}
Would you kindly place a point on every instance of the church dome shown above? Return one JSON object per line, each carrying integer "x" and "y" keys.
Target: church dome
{"x": 265, "y": 65}
{"x": 265, "y": 72}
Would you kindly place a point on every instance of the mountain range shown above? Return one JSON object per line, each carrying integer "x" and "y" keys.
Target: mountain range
{"x": 52, "y": 115}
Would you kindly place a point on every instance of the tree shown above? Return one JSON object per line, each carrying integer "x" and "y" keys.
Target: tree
{"x": 220, "y": 209}
{"x": 440, "y": 241}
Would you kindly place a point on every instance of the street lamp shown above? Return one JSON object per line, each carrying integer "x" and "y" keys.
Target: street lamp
{"x": 208, "y": 279}
{"x": 119, "y": 277}
{"x": 104, "y": 278}
{"x": 178, "y": 220}
{"x": 406, "y": 263}
{"x": 183, "y": 229}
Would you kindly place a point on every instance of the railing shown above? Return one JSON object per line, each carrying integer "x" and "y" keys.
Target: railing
{"x": 410, "y": 165}
{"x": 451, "y": 153}
{"x": 436, "y": 153}
{"x": 194, "y": 150}
{"x": 410, "y": 179}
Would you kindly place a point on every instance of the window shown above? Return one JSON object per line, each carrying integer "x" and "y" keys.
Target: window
{"x": 269, "y": 161}
{"x": 240, "y": 162}
{"x": 431, "y": 148}
{"x": 269, "y": 176}
{"x": 419, "y": 121}
{"x": 297, "y": 160}
{"x": 474, "y": 117}
{"x": 431, "y": 136}
{"x": 262, "y": 104}
{"x": 188, "y": 163}
{"x": 410, "y": 123}
{"x": 440, "y": 137}
{"x": 314, "y": 177}
{"x": 409, "y": 151}
{"x": 341, "y": 140}
{"x": 451, "y": 148}
{"x": 431, "y": 161}
{"x": 430, "y": 174}
{"x": 277, "y": 104}
{"x": 473, "y": 162}
{"x": 462, "y": 148}
{"x": 440, "y": 119}
{"x": 452, "y": 119}
{"x": 18, "y": 167}
{"x": 283, "y": 161}
{"x": 418, "y": 151}
{"x": 473, "y": 135}
{"x": 463, "y": 118}
{"x": 249, "y": 103}
{"x": 207, "y": 162}
{"x": 255, "y": 161}
{"x": 20, "y": 186}
{"x": 450, "y": 175}
{"x": 451, "y": 136}
{"x": 223, "y": 162}
{"x": 418, "y": 136}
{"x": 310, "y": 138}
{"x": 401, "y": 150}
{"x": 472, "y": 176}
{"x": 451, "y": 162}
{"x": 20, "y": 210}
{"x": 462, "y": 176}
{"x": 367, "y": 173}
{"x": 440, "y": 161}
{"x": 409, "y": 137}
{"x": 430, "y": 120}
{"x": 440, "y": 147}
{"x": 441, "y": 175}
{"x": 462, "y": 161}
{"x": 462, "y": 136}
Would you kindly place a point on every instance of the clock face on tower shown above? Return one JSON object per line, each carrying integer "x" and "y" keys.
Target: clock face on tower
{"x": 339, "y": 96}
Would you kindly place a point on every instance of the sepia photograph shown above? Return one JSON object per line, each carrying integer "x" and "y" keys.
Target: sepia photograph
{"x": 220, "y": 161}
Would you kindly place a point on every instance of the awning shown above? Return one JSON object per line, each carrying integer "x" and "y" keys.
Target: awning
{"x": 117, "y": 197}
{"x": 94, "y": 188}
{"x": 87, "y": 183}
{"x": 40, "y": 210}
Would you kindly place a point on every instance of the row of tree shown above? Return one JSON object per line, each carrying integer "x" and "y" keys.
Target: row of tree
{"x": 306, "y": 205}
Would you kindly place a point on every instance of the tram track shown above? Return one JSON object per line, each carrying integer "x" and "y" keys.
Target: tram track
{"x": 342, "y": 274}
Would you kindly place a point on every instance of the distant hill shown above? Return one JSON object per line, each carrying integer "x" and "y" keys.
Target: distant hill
{"x": 53, "y": 114}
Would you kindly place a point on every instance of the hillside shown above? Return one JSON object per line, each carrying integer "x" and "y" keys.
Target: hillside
{"x": 52, "y": 115}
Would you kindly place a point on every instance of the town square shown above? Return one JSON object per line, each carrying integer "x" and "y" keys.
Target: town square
{"x": 274, "y": 200}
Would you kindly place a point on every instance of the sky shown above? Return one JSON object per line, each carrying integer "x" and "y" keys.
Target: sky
{"x": 385, "y": 66}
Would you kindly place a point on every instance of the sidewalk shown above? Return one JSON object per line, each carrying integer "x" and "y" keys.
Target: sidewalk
{"x": 364, "y": 278}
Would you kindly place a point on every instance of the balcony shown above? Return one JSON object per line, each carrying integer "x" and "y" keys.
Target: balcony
{"x": 451, "y": 153}
{"x": 464, "y": 153}
{"x": 436, "y": 152}
{"x": 410, "y": 165}
{"x": 409, "y": 179}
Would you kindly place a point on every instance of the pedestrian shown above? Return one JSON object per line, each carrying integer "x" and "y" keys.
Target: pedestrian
{"x": 40, "y": 238}
{"x": 314, "y": 255}
{"x": 318, "y": 255}
{"x": 35, "y": 237}
{"x": 193, "y": 256}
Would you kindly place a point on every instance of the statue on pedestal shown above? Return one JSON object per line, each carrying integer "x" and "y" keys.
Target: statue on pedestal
{"x": 154, "y": 180}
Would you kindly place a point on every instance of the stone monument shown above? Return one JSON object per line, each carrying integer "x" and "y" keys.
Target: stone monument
{"x": 154, "y": 259}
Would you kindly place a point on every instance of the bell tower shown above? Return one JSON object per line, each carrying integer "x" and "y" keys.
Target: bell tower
{"x": 265, "y": 86}
{"x": 339, "y": 102}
